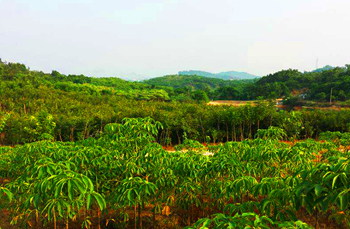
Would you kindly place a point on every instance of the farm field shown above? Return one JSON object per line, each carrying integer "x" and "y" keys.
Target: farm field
{"x": 335, "y": 108}
{"x": 231, "y": 102}
{"x": 237, "y": 103}
{"x": 279, "y": 104}
{"x": 124, "y": 179}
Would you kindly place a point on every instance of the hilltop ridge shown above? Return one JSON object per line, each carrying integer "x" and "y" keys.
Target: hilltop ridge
{"x": 229, "y": 75}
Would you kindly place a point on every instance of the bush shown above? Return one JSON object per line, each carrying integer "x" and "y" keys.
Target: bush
{"x": 273, "y": 133}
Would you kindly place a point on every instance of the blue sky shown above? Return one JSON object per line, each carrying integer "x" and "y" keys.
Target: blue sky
{"x": 137, "y": 38}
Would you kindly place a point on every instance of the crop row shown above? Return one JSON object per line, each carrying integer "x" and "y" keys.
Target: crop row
{"x": 117, "y": 179}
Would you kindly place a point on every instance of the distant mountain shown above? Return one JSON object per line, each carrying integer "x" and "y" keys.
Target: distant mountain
{"x": 133, "y": 77}
{"x": 231, "y": 75}
{"x": 238, "y": 75}
{"x": 198, "y": 73}
{"x": 325, "y": 68}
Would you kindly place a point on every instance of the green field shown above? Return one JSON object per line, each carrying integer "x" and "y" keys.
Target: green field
{"x": 124, "y": 179}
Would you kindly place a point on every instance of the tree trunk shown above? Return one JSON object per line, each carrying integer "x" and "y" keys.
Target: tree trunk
{"x": 135, "y": 216}
{"x": 316, "y": 223}
{"x": 54, "y": 219}
{"x": 140, "y": 217}
{"x": 163, "y": 137}
{"x": 86, "y": 130}
{"x": 37, "y": 219}
{"x": 99, "y": 218}
{"x": 204, "y": 135}
{"x": 234, "y": 132}
{"x": 250, "y": 129}
{"x": 232, "y": 135}
{"x": 178, "y": 137}
{"x": 271, "y": 120}
{"x": 192, "y": 217}
{"x": 227, "y": 132}
{"x": 154, "y": 218}
{"x": 72, "y": 134}
{"x": 60, "y": 135}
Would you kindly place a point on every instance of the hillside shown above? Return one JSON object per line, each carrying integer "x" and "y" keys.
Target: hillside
{"x": 187, "y": 85}
{"x": 17, "y": 76}
{"x": 317, "y": 85}
{"x": 194, "y": 82}
{"x": 231, "y": 75}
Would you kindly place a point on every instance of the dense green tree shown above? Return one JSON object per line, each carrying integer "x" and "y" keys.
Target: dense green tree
{"x": 200, "y": 96}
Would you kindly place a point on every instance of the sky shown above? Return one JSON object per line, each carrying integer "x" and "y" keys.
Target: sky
{"x": 147, "y": 38}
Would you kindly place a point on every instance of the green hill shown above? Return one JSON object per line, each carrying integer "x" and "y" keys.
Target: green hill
{"x": 185, "y": 86}
{"x": 14, "y": 76}
{"x": 194, "y": 82}
{"x": 317, "y": 85}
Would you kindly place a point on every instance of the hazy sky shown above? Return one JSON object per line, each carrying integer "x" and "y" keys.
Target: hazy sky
{"x": 158, "y": 37}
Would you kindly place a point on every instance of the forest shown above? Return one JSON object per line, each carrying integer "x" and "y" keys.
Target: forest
{"x": 86, "y": 152}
